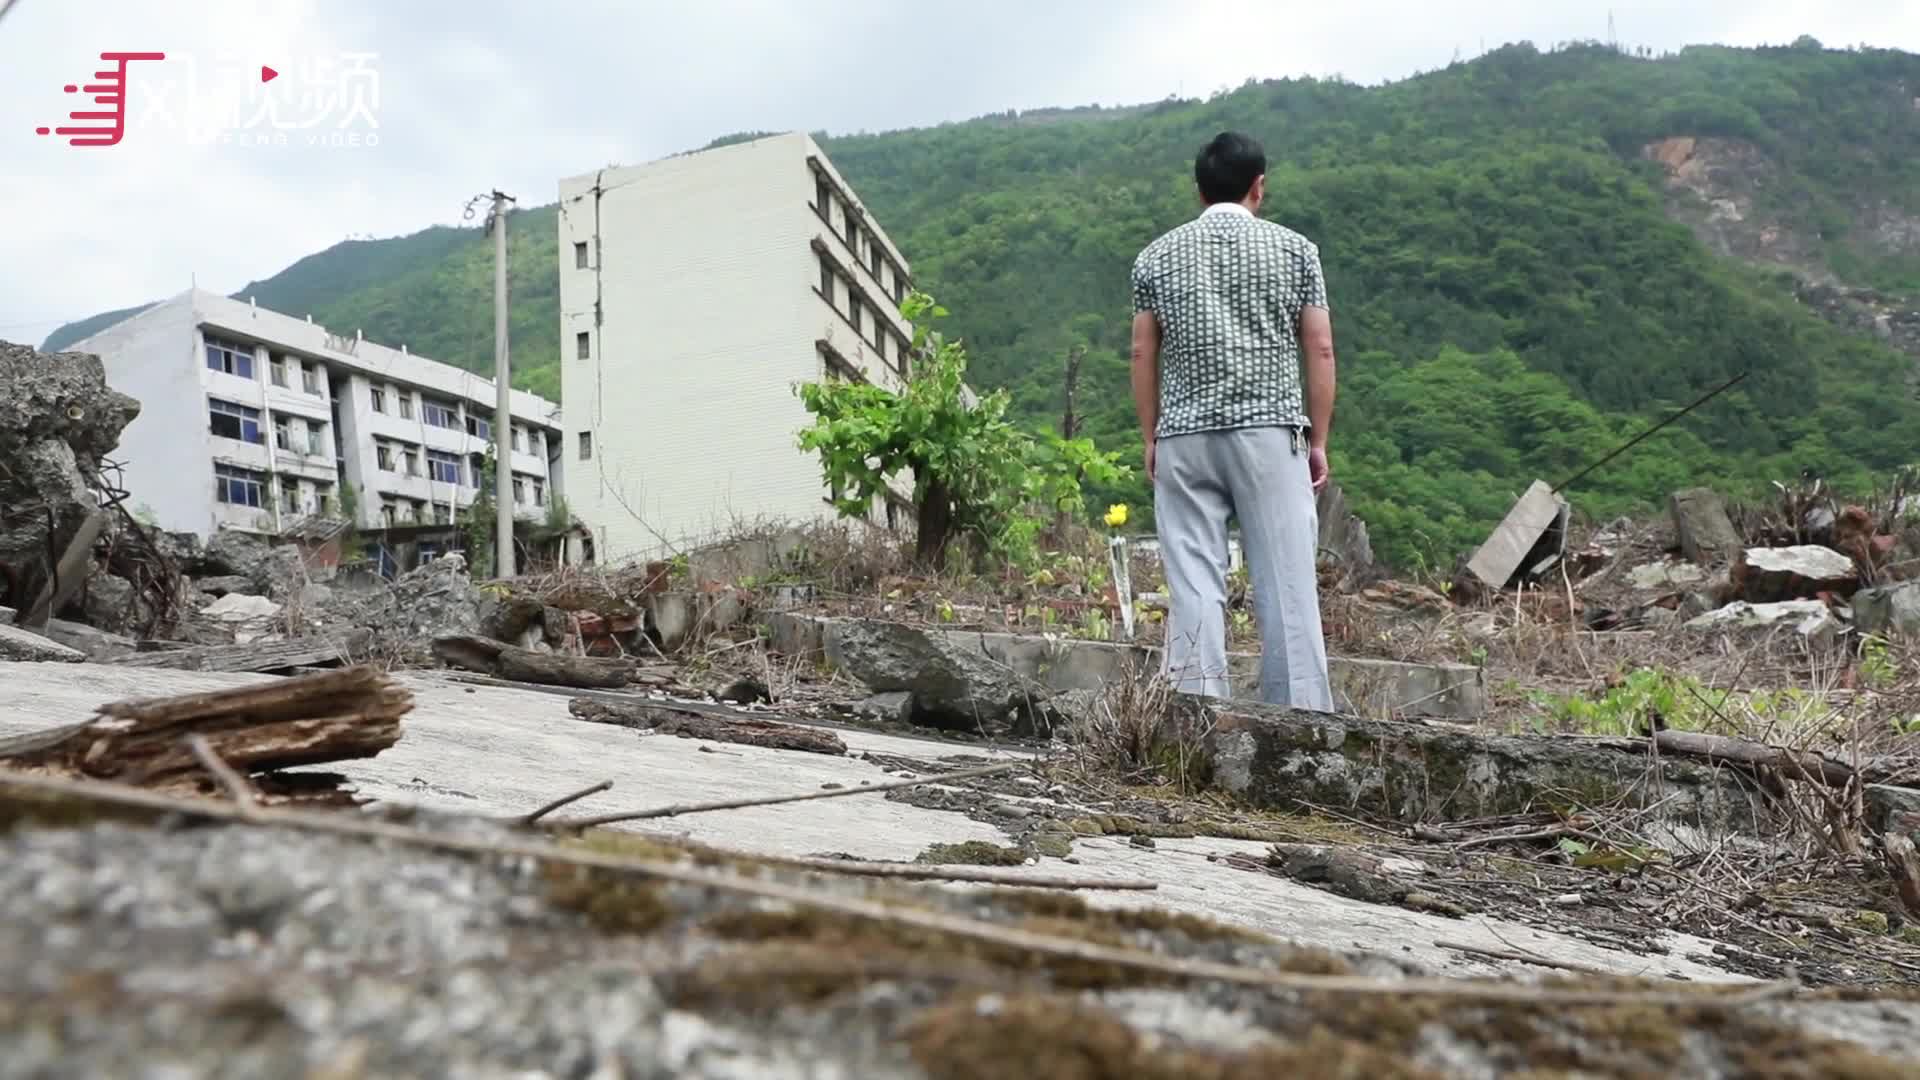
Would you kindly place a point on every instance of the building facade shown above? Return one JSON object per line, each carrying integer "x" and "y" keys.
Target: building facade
{"x": 696, "y": 293}
{"x": 264, "y": 422}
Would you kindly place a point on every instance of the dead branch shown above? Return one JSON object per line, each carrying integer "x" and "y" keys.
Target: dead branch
{"x": 235, "y": 784}
{"x": 1727, "y": 750}
{"x": 743, "y": 730}
{"x": 1518, "y": 956}
{"x": 917, "y": 918}
{"x": 565, "y": 800}
{"x": 774, "y": 800}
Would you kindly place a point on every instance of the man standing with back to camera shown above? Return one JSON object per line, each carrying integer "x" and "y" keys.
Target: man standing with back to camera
{"x": 1226, "y": 307}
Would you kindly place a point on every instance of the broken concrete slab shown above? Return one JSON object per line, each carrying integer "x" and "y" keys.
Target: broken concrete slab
{"x": 1534, "y": 530}
{"x": 1743, "y": 615}
{"x": 953, "y": 686}
{"x": 95, "y": 644}
{"x": 319, "y": 649}
{"x": 1701, "y": 524}
{"x": 1285, "y": 759}
{"x": 1767, "y": 575}
{"x": 1363, "y": 685}
{"x": 25, "y": 645}
{"x": 506, "y": 752}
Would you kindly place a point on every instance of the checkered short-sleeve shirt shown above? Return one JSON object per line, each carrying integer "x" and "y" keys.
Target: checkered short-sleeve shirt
{"x": 1227, "y": 289}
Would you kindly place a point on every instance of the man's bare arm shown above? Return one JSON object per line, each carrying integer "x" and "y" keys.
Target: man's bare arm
{"x": 1146, "y": 371}
{"x": 1316, "y": 348}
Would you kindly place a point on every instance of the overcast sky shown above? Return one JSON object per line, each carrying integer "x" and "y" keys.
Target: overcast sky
{"x": 463, "y": 97}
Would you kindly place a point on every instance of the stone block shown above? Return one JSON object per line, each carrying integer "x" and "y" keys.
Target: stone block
{"x": 1893, "y": 609}
{"x": 1701, "y": 524}
{"x": 1532, "y": 530}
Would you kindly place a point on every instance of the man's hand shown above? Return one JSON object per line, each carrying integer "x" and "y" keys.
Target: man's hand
{"x": 1317, "y": 470}
{"x": 1151, "y": 443}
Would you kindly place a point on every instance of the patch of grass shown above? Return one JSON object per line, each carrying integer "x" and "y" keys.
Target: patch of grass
{"x": 972, "y": 853}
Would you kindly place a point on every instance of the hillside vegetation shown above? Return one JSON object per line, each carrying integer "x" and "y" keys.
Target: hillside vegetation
{"x": 1511, "y": 294}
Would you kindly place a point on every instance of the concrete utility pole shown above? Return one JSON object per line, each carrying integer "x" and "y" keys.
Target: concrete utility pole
{"x": 503, "y": 397}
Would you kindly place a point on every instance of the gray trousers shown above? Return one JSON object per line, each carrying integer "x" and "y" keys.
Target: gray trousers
{"x": 1258, "y": 475}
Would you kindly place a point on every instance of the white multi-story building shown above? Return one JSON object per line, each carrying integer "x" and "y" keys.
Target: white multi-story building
{"x": 259, "y": 421}
{"x": 696, "y": 292}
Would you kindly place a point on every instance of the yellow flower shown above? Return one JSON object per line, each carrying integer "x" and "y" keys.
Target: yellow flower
{"x": 1116, "y": 515}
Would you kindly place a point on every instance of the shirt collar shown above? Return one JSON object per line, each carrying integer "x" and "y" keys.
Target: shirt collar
{"x": 1226, "y": 208}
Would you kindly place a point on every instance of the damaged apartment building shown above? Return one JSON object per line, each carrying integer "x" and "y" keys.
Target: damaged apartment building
{"x": 695, "y": 293}
{"x": 267, "y": 423}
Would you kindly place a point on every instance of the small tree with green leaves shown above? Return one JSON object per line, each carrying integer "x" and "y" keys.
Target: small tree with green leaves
{"x": 974, "y": 472}
{"x": 480, "y": 520}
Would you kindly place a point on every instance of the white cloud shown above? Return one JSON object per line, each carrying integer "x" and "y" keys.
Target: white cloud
{"x": 497, "y": 93}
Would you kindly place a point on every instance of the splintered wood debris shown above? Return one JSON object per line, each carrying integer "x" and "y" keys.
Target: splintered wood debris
{"x": 306, "y": 720}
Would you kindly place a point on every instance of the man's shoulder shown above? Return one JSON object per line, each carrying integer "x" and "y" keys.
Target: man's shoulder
{"x": 1286, "y": 237}
{"x": 1167, "y": 241}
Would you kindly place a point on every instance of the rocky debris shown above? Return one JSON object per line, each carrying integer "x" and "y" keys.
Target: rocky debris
{"x": 729, "y": 728}
{"x": 472, "y": 652}
{"x": 58, "y": 419}
{"x": 744, "y": 690}
{"x": 891, "y": 707}
{"x": 428, "y": 602}
{"x": 1891, "y": 609}
{"x": 1742, "y": 615}
{"x": 1767, "y": 575}
{"x": 1665, "y": 575}
{"x": 1702, "y": 527}
{"x": 25, "y": 645}
{"x": 952, "y": 687}
{"x": 306, "y": 720}
{"x": 222, "y": 584}
{"x": 115, "y": 605}
{"x": 1349, "y": 872}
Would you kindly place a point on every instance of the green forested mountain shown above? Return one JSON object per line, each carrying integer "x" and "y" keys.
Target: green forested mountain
{"x": 1512, "y": 292}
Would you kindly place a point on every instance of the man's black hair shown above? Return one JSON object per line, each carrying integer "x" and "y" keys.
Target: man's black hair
{"x": 1228, "y": 166}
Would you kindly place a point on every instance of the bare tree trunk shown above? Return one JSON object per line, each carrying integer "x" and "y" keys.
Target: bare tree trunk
{"x": 935, "y": 525}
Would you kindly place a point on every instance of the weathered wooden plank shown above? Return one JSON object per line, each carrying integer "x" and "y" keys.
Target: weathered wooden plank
{"x": 334, "y": 716}
{"x": 259, "y": 656}
{"x": 744, "y": 730}
{"x": 503, "y": 661}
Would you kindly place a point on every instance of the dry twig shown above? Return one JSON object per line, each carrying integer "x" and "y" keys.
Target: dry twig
{"x": 565, "y": 800}
{"x": 772, "y": 800}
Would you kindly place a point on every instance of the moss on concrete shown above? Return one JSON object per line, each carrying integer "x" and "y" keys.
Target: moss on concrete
{"x": 972, "y": 853}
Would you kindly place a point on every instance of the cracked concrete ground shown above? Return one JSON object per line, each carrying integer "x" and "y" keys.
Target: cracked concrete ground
{"x": 500, "y": 751}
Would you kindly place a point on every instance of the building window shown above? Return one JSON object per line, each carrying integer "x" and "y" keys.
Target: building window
{"x": 583, "y": 345}
{"x": 822, "y": 196}
{"x": 538, "y": 441}
{"x": 277, "y": 369}
{"x": 579, "y": 254}
{"x": 873, "y": 253}
{"x": 438, "y": 415}
{"x": 316, "y": 438}
{"x": 230, "y": 357}
{"x": 231, "y": 421}
{"x": 406, "y": 404}
{"x": 443, "y": 468}
{"x": 442, "y": 515}
{"x": 310, "y": 378}
{"x": 476, "y": 468}
{"x": 899, "y": 286}
{"x": 283, "y": 434}
{"x": 383, "y": 454}
{"x": 290, "y": 496}
{"x": 539, "y": 493}
{"x": 519, "y": 490}
{"x": 519, "y": 440}
{"x": 826, "y": 281}
{"x": 478, "y": 428}
{"x": 323, "y": 498}
{"x": 853, "y": 227}
{"x": 417, "y": 511}
{"x": 903, "y": 356}
{"x": 379, "y": 400}
{"x": 389, "y": 514}
{"x": 586, "y": 445}
{"x": 410, "y": 461}
{"x": 238, "y": 487}
{"x": 853, "y": 314}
